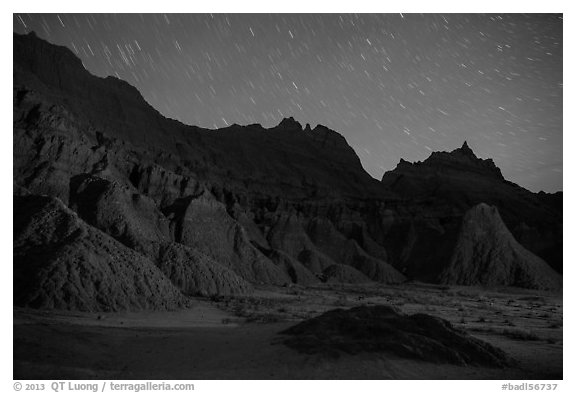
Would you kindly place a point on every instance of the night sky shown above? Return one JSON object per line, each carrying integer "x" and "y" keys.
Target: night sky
{"x": 395, "y": 85}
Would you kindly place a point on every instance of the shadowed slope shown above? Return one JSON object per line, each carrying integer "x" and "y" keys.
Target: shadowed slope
{"x": 283, "y": 159}
{"x": 382, "y": 329}
{"x": 61, "y": 262}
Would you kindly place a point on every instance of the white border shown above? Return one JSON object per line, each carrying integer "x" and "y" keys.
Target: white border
{"x": 298, "y": 6}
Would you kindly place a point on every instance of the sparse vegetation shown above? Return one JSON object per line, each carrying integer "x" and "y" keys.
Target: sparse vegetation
{"x": 265, "y": 318}
{"x": 509, "y": 323}
{"x": 520, "y": 334}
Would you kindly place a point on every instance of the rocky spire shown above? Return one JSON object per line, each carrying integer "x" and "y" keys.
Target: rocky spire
{"x": 465, "y": 149}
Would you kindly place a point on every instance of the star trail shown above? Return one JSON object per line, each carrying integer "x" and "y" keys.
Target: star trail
{"x": 395, "y": 85}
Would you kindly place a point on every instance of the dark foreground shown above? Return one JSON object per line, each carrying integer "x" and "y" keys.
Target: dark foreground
{"x": 237, "y": 338}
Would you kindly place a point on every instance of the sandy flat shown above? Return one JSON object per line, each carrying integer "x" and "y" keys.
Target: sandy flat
{"x": 215, "y": 340}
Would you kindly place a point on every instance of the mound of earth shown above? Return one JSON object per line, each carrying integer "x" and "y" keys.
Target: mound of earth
{"x": 486, "y": 253}
{"x": 382, "y": 329}
{"x": 197, "y": 274}
{"x": 61, "y": 262}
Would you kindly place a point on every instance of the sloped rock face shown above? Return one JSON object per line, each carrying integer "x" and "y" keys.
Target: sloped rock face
{"x": 348, "y": 252}
{"x": 382, "y": 329}
{"x": 204, "y": 225}
{"x": 287, "y": 234}
{"x": 61, "y": 262}
{"x": 134, "y": 220}
{"x": 315, "y": 261}
{"x": 197, "y": 274}
{"x": 163, "y": 186}
{"x": 487, "y": 254}
{"x": 297, "y": 272}
{"x": 120, "y": 211}
{"x": 321, "y": 245}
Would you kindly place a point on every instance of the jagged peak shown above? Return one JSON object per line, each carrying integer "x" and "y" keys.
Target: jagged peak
{"x": 461, "y": 159}
{"x": 326, "y": 134}
{"x": 290, "y": 123}
{"x": 321, "y": 127}
{"x": 465, "y": 149}
{"x": 254, "y": 125}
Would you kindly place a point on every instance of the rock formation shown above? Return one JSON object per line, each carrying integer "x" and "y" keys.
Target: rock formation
{"x": 452, "y": 182}
{"x": 348, "y": 252}
{"x": 219, "y": 211}
{"x": 206, "y": 226}
{"x": 487, "y": 254}
{"x": 120, "y": 211}
{"x": 197, "y": 274}
{"x": 61, "y": 262}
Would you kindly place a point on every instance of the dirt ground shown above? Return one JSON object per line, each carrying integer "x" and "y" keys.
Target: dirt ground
{"x": 237, "y": 337}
